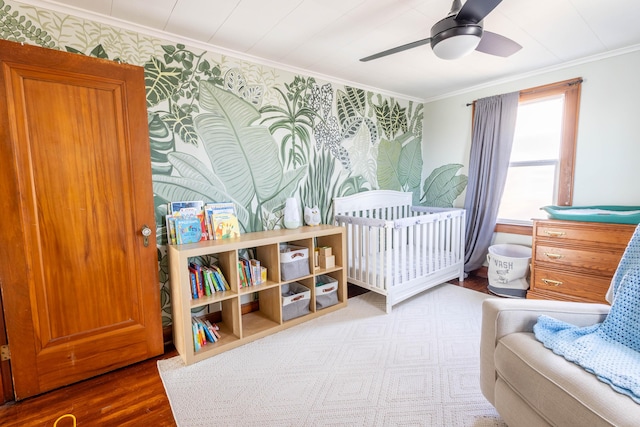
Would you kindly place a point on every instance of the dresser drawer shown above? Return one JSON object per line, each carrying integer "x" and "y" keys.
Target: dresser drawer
{"x": 602, "y": 262}
{"x": 589, "y": 287}
{"x": 617, "y": 234}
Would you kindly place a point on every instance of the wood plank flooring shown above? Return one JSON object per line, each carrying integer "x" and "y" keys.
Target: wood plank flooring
{"x": 131, "y": 396}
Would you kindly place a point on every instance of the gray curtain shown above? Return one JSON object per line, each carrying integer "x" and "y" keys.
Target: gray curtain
{"x": 494, "y": 124}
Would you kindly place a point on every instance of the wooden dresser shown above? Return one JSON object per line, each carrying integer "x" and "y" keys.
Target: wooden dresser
{"x": 575, "y": 261}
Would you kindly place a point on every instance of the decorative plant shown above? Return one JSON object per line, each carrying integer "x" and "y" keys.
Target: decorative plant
{"x": 443, "y": 186}
{"x": 16, "y": 27}
{"x": 296, "y": 119}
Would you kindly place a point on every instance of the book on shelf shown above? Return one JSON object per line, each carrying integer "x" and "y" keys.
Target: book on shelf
{"x": 250, "y": 272}
{"x": 188, "y": 229}
{"x": 181, "y": 222}
{"x": 215, "y": 285}
{"x": 197, "y": 337}
{"x": 209, "y": 285}
{"x": 242, "y": 275}
{"x": 206, "y": 280}
{"x": 217, "y": 221}
{"x": 217, "y": 273}
{"x": 203, "y": 332}
{"x": 198, "y": 272}
{"x": 256, "y": 272}
{"x": 194, "y": 286}
{"x": 213, "y": 328}
{"x": 224, "y": 226}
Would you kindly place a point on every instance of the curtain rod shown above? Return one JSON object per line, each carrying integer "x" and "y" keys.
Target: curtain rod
{"x": 540, "y": 88}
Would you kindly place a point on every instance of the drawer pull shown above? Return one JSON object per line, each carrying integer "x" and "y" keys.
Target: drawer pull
{"x": 552, "y": 255}
{"x": 551, "y": 282}
{"x": 554, "y": 233}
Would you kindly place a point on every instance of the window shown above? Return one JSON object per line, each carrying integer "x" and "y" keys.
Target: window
{"x": 542, "y": 158}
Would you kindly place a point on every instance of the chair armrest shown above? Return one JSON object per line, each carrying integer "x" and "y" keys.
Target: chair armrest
{"x": 501, "y": 317}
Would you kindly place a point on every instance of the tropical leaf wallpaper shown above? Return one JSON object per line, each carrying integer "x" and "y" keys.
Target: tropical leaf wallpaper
{"x": 222, "y": 129}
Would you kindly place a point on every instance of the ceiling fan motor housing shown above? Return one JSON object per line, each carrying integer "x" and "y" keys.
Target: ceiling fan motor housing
{"x": 467, "y": 35}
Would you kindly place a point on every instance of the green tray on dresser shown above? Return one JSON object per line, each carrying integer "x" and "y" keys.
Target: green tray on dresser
{"x": 612, "y": 214}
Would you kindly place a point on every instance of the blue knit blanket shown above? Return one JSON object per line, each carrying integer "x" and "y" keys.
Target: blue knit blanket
{"x": 611, "y": 349}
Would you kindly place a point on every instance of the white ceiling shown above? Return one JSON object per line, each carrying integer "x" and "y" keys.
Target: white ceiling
{"x": 327, "y": 37}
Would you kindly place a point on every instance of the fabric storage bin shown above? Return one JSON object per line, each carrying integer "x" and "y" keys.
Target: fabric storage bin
{"x": 294, "y": 262}
{"x": 326, "y": 291}
{"x": 295, "y": 300}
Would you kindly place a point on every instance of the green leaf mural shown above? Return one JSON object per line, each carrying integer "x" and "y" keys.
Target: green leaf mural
{"x": 321, "y": 185}
{"x": 181, "y": 122}
{"x": 160, "y": 81}
{"x": 161, "y": 142}
{"x": 410, "y": 167}
{"x": 16, "y": 27}
{"x": 296, "y": 119}
{"x": 363, "y": 153}
{"x": 243, "y": 155}
{"x": 391, "y": 118}
{"x": 388, "y": 159}
{"x": 399, "y": 166}
{"x": 349, "y": 103}
{"x": 269, "y": 136}
{"x": 443, "y": 186}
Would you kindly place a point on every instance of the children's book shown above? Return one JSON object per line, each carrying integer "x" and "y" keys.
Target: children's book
{"x": 185, "y": 209}
{"x": 194, "y": 286}
{"x": 221, "y": 279}
{"x": 256, "y": 273}
{"x": 188, "y": 229}
{"x": 222, "y": 220}
{"x": 208, "y": 333}
{"x": 214, "y": 280}
{"x": 225, "y": 226}
{"x": 197, "y": 272}
{"x": 213, "y": 328}
{"x": 175, "y": 207}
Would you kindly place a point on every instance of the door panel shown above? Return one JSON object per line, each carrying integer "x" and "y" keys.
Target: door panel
{"x": 82, "y": 297}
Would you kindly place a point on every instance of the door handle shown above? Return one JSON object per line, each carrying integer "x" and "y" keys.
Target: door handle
{"x": 146, "y": 232}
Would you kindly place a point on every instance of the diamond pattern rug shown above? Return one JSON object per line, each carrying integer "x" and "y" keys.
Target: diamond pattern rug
{"x": 357, "y": 366}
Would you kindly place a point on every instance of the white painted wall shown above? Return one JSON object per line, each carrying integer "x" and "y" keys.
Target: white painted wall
{"x": 608, "y": 150}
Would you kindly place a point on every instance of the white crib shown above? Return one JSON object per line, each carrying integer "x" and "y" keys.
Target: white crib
{"x": 399, "y": 250}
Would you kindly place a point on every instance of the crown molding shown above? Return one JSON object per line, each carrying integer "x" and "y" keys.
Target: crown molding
{"x": 564, "y": 65}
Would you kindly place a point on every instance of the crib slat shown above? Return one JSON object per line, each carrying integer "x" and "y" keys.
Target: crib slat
{"x": 392, "y": 247}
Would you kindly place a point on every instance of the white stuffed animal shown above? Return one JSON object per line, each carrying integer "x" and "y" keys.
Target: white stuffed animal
{"x": 312, "y": 215}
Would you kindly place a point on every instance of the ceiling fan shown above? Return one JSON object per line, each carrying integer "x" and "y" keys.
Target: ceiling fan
{"x": 460, "y": 32}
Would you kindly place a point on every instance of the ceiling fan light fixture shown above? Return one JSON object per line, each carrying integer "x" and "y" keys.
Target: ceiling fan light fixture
{"x": 457, "y": 41}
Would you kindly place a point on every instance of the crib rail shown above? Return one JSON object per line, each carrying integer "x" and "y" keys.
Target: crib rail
{"x": 389, "y": 246}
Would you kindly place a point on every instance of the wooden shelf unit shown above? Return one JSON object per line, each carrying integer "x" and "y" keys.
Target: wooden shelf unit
{"x": 236, "y": 328}
{"x": 575, "y": 261}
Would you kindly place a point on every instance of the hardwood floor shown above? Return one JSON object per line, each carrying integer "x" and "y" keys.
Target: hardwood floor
{"x": 131, "y": 396}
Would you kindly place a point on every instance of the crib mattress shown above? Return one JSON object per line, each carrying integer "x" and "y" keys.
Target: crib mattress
{"x": 395, "y": 275}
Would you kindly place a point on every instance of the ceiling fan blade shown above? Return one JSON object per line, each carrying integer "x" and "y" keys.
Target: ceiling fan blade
{"x": 476, "y": 10}
{"x": 495, "y": 44}
{"x": 396, "y": 49}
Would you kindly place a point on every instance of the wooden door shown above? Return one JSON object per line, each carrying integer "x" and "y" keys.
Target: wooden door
{"x": 79, "y": 286}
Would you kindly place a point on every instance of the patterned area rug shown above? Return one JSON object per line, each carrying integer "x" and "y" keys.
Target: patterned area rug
{"x": 357, "y": 366}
